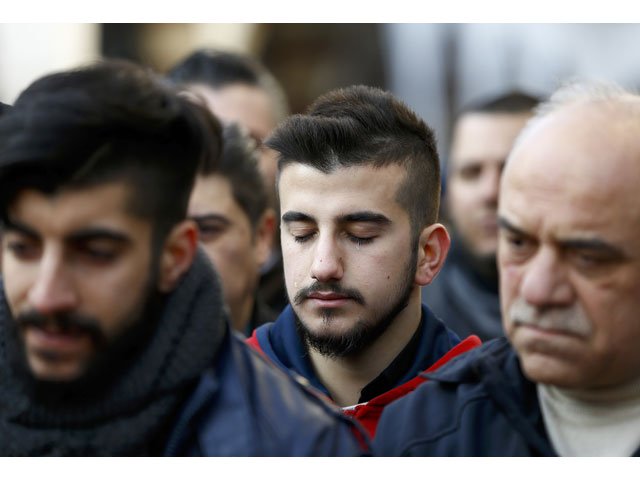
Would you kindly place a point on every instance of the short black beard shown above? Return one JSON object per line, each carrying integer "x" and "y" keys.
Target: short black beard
{"x": 363, "y": 333}
{"x": 109, "y": 362}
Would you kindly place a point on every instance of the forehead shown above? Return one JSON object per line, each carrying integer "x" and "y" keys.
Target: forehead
{"x": 243, "y": 104}
{"x": 67, "y": 210}
{"x": 479, "y": 135}
{"x": 308, "y": 190}
{"x": 576, "y": 169}
{"x": 212, "y": 193}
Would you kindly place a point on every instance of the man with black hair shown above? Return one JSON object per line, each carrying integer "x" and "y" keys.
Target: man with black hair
{"x": 113, "y": 335}
{"x": 359, "y": 187}
{"x": 235, "y": 226}
{"x": 465, "y": 293}
{"x": 239, "y": 89}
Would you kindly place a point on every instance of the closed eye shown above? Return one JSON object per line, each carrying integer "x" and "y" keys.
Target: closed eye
{"x": 23, "y": 249}
{"x": 359, "y": 241}
{"x": 210, "y": 226}
{"x": 98, "y": 251}
{"x": 98, "y": 254}
{"x": 303, "y": 238}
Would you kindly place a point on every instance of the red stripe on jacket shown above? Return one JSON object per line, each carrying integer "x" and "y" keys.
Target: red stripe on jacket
{"x": 368, "y": 413}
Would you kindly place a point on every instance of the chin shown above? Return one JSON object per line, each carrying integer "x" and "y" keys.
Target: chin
{"x": 552, "y": 372}
{"x": 55, "y": 373}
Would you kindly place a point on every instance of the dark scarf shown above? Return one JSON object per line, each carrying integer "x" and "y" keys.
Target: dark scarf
{"x": 136, "y": 408}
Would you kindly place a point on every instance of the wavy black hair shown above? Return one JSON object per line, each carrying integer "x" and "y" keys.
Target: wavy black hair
{"x": 109, "y": 121}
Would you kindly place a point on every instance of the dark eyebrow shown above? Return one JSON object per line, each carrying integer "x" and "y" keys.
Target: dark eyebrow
{"x": 18, "y": 227}
{"x": 594, "y": 244}
{"x": 368, "y": 217}
{"x": 210, "y": 216}
{"x": 98, "y": 233}
{"x": 507, "y": 225}
{"x": 87, "y": 234}
{"x": 289, "y": 217}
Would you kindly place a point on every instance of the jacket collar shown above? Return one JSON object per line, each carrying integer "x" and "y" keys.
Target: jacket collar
{"x": 282, "y": 343}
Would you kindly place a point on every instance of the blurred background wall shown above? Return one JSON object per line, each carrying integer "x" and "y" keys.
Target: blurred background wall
{"x": 435, "y": 68}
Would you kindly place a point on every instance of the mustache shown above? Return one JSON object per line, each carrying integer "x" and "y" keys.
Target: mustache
{"x": 304, "y": 293}
{"x": 570, "y": 319}
{"x": 73, "y": 323}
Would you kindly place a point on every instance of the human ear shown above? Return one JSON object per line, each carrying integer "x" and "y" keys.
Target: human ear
{"x": 433, "y": 246}
{"x": 177, "y": 254}
{"x": 264, "y": 235}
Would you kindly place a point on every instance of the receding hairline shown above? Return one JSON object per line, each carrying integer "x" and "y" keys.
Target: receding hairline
{"x": 597, "y": 109}
{"x": 579, "y": 94}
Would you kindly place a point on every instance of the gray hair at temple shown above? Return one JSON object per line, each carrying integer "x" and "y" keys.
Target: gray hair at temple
{"x": 577, "y": 92}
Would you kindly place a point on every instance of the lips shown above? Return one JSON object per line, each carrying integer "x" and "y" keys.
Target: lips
{"x": 327, "y": 296}
{"x": 328, "y": 299}
{"x": 67, "y": 342}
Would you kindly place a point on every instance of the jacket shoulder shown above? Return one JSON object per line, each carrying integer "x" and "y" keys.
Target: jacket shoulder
{"x": 259, "y": 410}
{"x": 451, "y": 415}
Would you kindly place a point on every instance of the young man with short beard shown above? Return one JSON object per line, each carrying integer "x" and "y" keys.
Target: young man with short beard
{"x": 359, "y": 187}
{"x": 113, "y": 335}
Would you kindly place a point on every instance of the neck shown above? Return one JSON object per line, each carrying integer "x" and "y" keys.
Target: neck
{"x": 241, "y": 313}
{"x": 484, "y": 266}
{"x": 589, "y": 422}
{"x": 602, "y": 396}
{"x": 345, "y": 377}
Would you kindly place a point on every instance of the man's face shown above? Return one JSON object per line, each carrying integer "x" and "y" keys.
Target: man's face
{"x": 76, "y": 272}
{"x": 226, "y": 235}
{"x": 252, "y": 108}
{"x": 569, "y": 249}
{"x": 481, "y": 144}
{"x": 347, "y": 252}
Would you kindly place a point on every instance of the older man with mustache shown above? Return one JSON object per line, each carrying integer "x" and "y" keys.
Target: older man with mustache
{"x": 567, "y": 380}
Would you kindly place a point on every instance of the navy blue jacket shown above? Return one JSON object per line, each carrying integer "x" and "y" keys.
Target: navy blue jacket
{"x": 245, "y": 407}
{"x": 479, "y": 404}
{"x": 435, "y": 345}
{"x": 281, "y": 343}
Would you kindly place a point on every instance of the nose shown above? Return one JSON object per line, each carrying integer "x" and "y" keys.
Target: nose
{"x": 328, "y": 261}
{"x": 53, "y": 290}
{"x": 545, "y": 282}
{"x": 490, "y": 185}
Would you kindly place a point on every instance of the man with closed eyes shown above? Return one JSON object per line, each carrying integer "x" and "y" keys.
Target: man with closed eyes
{"x": 359, "y": 189}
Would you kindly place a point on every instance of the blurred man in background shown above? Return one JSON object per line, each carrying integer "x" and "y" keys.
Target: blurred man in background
{"x": 113, "y": 336}
{"x": 567, "y": 380}
{"x": 235, "y": 225}
{"x": 238, "y": 89}
{"x": 359, "y": 188}
{"x": 465, "y": 293}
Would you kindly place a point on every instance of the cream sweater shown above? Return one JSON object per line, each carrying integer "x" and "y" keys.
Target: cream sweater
{"x": 603, "y": 422}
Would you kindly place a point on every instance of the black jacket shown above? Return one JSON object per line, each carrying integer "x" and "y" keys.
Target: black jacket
{"x": 245, "y": 407}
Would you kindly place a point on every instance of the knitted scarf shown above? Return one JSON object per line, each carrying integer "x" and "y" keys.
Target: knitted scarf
{"x": 133, "y": 409}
